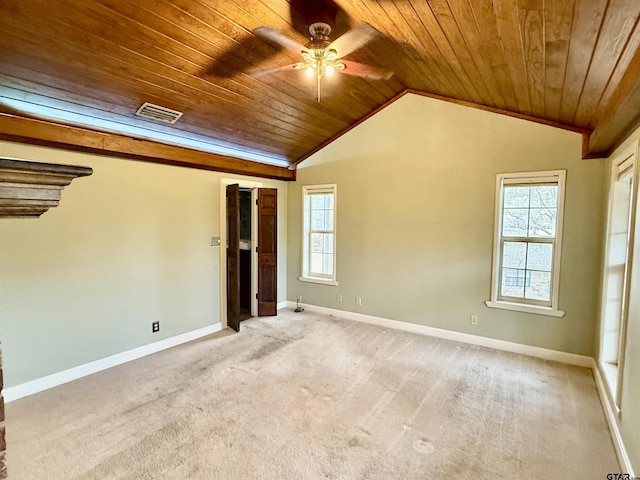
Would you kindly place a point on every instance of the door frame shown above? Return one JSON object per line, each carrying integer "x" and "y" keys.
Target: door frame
{"x": 246, "y": 184}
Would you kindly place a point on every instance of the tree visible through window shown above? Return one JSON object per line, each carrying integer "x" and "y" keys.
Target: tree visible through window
{"x": 528, "y": 230}
{"x": 528, "y": 226}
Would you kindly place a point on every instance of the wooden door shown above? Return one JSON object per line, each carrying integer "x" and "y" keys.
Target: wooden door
{"x": 233, "y": 257}
{"x": 267, "y": 251}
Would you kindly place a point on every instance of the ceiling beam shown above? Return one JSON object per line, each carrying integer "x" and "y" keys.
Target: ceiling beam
{"x": 39, "y": 132}
{"x": 621, "y": 115}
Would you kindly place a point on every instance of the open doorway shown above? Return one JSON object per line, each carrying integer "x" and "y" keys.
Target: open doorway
{"x": 246, "y": 268}
{"x": 248, "y": 253}
{"x": 246, "y": 249}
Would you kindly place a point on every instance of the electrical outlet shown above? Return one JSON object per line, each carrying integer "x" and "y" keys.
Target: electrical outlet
{"x": 155, "y": 327}
{"x": 474, "y": 319}
{"x": 299, "y": 299}
{"x": 358, "y": 300}
{"x": 339, "y": 298}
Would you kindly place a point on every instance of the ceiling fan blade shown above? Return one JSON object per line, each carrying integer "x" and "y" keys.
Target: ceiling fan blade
{"x": 263, "y": 73}
{"x": 274, "y": 36}
{"x": 366, "y": 71}
{"x": 354, "y": 39}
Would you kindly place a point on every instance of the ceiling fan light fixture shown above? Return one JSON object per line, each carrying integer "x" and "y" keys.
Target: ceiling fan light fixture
{"x": 330, "y": 55}
{"x": 321, "y": 57}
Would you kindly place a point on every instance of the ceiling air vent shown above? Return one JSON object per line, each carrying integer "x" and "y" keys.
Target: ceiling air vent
{"x": 156, "y": 112}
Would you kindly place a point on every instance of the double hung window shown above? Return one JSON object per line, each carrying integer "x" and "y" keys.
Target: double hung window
{"x": 527, "y": 241}
{"x": 319, "y": 234}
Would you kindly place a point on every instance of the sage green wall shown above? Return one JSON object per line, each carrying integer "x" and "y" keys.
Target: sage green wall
{"x": 629, "y": 418}
{"x": 415, "y": 219}
{"x": 127, "y": 246}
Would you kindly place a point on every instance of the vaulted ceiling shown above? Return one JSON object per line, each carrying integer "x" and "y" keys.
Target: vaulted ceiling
{"x": 74, "y": 72}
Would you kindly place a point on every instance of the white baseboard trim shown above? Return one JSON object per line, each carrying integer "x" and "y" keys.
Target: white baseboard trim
{"x": 282, "y": 305}
{"x": 610, "y": 413}
{"x": 29, "y": 388}
{"x": 545, "y": 353}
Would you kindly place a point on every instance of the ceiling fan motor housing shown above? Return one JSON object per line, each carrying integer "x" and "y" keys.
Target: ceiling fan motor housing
{"x": 320, "y": 32}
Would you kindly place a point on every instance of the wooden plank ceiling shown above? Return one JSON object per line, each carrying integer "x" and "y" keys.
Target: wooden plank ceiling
{"x": 73, "y": 72}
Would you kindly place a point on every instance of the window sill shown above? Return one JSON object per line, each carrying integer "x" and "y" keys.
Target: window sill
{"x": 518, "y": 307}
{"x": 321, "y": 281}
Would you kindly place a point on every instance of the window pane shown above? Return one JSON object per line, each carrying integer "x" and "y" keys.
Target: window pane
{"x": 317, "y": 202}
{"x": 515, "y": 197}
{"x": 513, "y": 282}
{"x": 316, "y": 263}
{"x": 540, "y": 256}
{"x": 328, "y": 220}
{"x": 544, "y": 196}
{"x": 328, "y": 243}
{"x": 514, "y": 254}
{"x": 328, "y": 202}
{"x": 316, "y": 242}
{"x": 515, "y": 222}
{"x": 540, "y": 203}
{"x": 317, "y": 220}
{"x": 327, "y": 264}
{"x": 540, "y": 286}
{"x": 542, "y": 222}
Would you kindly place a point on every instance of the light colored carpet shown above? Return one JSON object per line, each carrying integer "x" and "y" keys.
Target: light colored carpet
{"x": 306, "y": 396}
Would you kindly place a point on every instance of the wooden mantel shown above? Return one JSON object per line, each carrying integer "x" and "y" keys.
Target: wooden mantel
{"x": 28, "y": 189}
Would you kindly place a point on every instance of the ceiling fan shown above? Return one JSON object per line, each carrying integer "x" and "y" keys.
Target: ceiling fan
{"x": 321, "y": 57}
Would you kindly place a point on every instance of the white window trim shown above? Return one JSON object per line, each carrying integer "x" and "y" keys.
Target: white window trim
{"x": 305, "y": 277}
{"x": 558, "y": 176}
{"x": 319, "y": 280}
{"x": 614, "y": 376}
